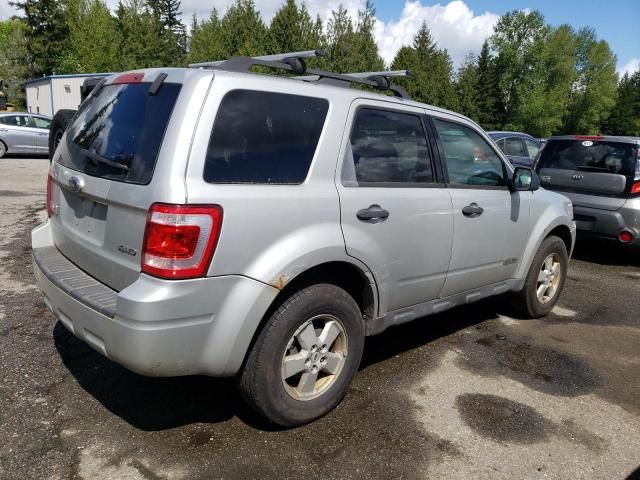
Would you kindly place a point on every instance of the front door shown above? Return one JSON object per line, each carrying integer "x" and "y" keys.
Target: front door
{"x": 395, "y": 216}
{"x": 491, "y": 223}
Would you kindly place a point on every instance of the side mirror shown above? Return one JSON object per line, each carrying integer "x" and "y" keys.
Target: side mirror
{"x": 525, "y": 179}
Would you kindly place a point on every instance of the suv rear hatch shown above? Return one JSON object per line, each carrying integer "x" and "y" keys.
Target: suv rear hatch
{"x": 103, "y": 170}
{"x": 593, "y": 171}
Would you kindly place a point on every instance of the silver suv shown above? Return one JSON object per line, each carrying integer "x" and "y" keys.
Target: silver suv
{"x": 220, "y": 222}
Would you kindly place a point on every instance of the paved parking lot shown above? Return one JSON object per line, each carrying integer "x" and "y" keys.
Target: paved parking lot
{"x": 471, "y": 393}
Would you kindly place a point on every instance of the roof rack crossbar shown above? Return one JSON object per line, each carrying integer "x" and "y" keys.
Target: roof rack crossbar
{"x": 278, "y": 57}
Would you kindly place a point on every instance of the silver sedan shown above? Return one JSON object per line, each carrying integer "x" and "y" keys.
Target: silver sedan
{"x": 24, "y": 133}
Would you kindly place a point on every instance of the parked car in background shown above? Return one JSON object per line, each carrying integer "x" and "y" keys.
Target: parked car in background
{"x": 520, "y": 148}
{"x": 198, "y": 227}
{"x": 24, "y": 133}
{"x": 601, "y": 176}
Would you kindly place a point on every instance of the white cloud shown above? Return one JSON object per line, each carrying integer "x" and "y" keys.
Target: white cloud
{"x": 630, "y": 67}
{"x": 453, "y": 26}
{"x": 6, "y": 10}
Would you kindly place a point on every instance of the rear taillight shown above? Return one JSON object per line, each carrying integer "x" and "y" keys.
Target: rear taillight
{"x": 635, "y": 188}
{"x": 626, "y": 236}
{"x": 49, "y": 195}
{"x": 179, "y": 240}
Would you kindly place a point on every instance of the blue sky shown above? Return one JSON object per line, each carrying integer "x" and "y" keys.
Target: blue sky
{"x": 616, "y": 21}
{"x": 460, "y": 26}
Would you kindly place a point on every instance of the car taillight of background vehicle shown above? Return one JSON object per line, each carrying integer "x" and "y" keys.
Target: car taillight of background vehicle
{"x": 635, "y": 188}
{"x": 179, "y": 240}
{"x": 49, "y": 197}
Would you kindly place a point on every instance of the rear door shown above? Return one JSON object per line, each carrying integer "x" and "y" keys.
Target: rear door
{"x": 395, "y": 215}
{"x": 491, "y": 223}
{"x": 593, "y": 172}
{"x": 103, "y": 178}
{"x": 42, "y": 125}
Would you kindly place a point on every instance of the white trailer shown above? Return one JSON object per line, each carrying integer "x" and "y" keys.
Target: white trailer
{"x": 47, "y": 95}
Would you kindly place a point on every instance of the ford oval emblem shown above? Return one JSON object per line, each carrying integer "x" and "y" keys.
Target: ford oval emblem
{"x": 76, "y": 184}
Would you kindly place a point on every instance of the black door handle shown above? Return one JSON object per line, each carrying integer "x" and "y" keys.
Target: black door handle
{"x": 375, "y": 214}
{"x": 472, "y": 210}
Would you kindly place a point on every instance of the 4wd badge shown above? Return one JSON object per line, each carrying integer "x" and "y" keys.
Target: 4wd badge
{"x": 127, "y": 250}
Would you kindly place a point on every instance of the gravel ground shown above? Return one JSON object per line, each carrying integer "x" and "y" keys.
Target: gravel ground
{"x": 473, "y": 392}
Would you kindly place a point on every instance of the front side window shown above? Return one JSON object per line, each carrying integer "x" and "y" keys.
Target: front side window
{"x": 532, "y": 147}
{"x": 264, "y": 138}
{"x": 469, "y": 158}
{"x": 42, "y": 122}
{"x": 387, "y": 149}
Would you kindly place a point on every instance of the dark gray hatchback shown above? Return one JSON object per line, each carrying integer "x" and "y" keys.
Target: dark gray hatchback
{"x": 601, "y": 176}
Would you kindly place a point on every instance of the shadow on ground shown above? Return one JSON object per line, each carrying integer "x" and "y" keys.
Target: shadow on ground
{"x": 604, "y": 252}
{"x": 154, "y": 404}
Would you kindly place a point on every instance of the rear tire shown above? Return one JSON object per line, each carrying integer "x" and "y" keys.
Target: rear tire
{"x": 545, "y": 280}
{"x": 305, "y": 357}
{"x": 3, "y": 149}
{"x": 59, "y": 124}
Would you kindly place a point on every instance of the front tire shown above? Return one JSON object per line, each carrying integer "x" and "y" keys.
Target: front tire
{"x": 305, "y": 357}
{"x": 546, "y": 278}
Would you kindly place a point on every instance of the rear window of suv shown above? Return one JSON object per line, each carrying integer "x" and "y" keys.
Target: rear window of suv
{"x": 588, "y": 155}
{"x": 264, "y": 138}
{"x": 118, "y": 133}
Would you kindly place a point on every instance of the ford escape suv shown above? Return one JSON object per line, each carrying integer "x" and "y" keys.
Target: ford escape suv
{"x": 601, "y": 176}
{"x": 227, "y": 223}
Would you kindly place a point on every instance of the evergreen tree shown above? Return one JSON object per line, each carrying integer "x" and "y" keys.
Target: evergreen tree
{"x": 242, "y": 31}
{"x": 489, "y": 96}
{"x": 173, "y": 33}
{"x": 46, "y": 30}
{"x": 366, "y": 56}
{"x": 140, "y": 35}
{"x": 466, "y": 88}
{"x": 206, "y": 42}
{"x": 625, "y": 115}
{"x": 291, "y": 29}
{"x": 432, "y": 69}
{"x": 340, "y": 42}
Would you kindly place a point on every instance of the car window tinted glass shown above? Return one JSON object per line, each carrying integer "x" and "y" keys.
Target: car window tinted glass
{"x": 117, "y": 135}
{"x": 532, "y": 147}
{"x": 17, "y": 120}
{"x": 469, "y": 158}
{"x": 387, "y": 148}
{"x": 589, "y": 156}
{"x": 264, "y": 137}
{"x": 42, "y": 122}
{"x": 515, "y": 147}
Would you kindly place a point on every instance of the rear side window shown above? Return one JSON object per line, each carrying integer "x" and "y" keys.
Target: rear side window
{"x": 118, "y": 134}
{"x": 589, "y": 156}
{"x": 469, "y": 158}
{"x": 514, "y": 147}
{"x": 264, "y": 138}
{"x": 387, "y": 149}
{"x": 532, "y": 147}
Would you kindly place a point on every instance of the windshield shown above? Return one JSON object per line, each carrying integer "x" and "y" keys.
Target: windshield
{"x": 602, "y": 156}
{"x": 117, "y": 135}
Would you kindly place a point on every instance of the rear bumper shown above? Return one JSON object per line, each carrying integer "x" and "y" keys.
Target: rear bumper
{"x": 609, "y": 223}
{"x": 154, "y": 327}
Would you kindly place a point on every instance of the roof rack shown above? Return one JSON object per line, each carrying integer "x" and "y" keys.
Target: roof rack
{"x": 278, "y": 57}
{"x": 294, "y": 63}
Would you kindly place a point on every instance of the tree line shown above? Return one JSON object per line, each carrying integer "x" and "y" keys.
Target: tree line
{"x": 529, "y": 76}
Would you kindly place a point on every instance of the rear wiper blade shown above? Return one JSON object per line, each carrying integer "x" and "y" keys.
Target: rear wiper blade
{"x": 96, "y": 157}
